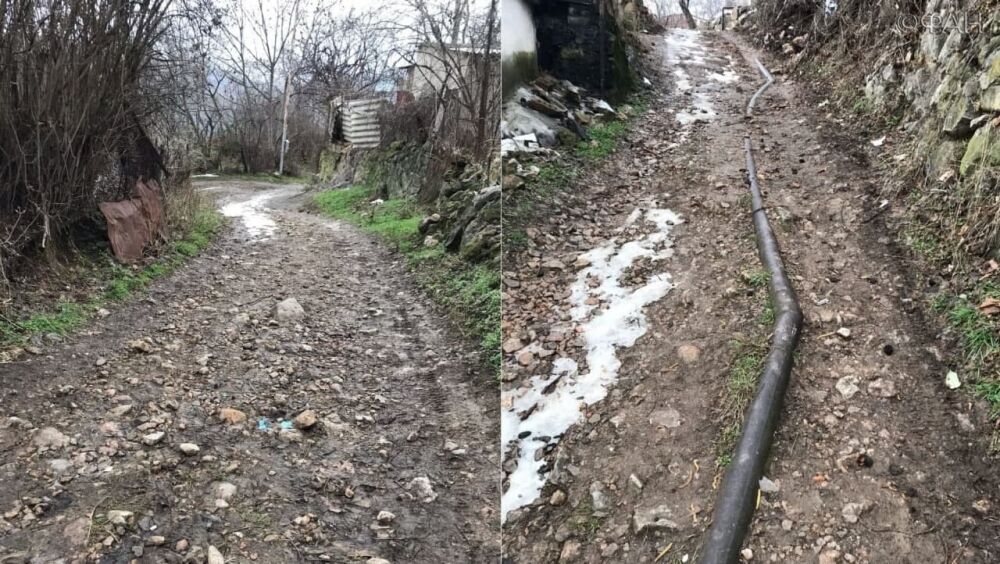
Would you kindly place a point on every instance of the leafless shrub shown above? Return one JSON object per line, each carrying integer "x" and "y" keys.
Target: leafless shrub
{"x": 408, "y": 122}
{"x": 69, "y": 73}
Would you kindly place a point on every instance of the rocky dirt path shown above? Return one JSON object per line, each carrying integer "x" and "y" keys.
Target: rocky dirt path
{"x": 875, "y": 461}
{"x": 202, "y": 422}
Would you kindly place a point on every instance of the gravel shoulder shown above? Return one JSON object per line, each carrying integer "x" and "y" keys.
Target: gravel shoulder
{"x": 355, "y": 429}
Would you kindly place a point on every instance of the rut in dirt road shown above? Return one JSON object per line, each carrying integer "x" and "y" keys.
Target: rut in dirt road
{"x": 874, "y": 460}
{"x": 207, "y": 418}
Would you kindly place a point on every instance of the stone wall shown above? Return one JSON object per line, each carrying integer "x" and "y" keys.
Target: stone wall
{"x": 948, "y": 84}
{"x": 586, "y": 42}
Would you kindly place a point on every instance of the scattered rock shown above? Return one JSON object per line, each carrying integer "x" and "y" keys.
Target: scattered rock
{"x": 951, "y": 380}
{"x": 50, "y": 438}
{"x": 421, "y": 486}
{"x": 385, "y": 517}
{"x": 982, "y": 506}
{"x": 189, "y": 449}
{"x": 653, "y": 519}
{"x": 688, "y": 353}
{"x": 570, "y": 551}
{"x": 767, "y": 486}
{"x": 288, "y": 310}
{"x": 140, "y": 345}
{"x": 156, "y": 540}
{"x": 558, "y": 498}
{"x": 214, "y": 556}
{"x": 232, "y": 416}
{"x": 224, "y": 490}
{"x": 119, "y": 517}
{"x": 848, "y": 386}
{"x": 305, "y": 420}
{"x": 153, "y": 438}
{"x": 844, "y": 332}
{"x": 524, "y": 358}
{"x": 747, "y": 554}
{"x": 829, "y": 557}
{"x": 668, "y": 418}
{"x": 852, "y": 512}
{"x": 512, "y": 344}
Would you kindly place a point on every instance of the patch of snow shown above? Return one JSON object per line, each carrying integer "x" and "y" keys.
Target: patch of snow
{"x": 727, "y": 76}
{"x": 702, "y": 110}
{"x": 519, "y": 120}
{"x": 618, "y": 324}
{"x": 601, "y": 104}
{"x": 252, "y": 212}
{"x": 206, "y": 175}
{"x": 683, "y": 51}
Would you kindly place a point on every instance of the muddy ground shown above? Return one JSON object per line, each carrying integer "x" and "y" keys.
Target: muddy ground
{"x": 876, "y": 460}
{"x": 172, "y": 430}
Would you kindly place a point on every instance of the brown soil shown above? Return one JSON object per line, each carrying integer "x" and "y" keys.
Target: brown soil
{"x": 400, "y": 402}
{"x": 925, "y": 487}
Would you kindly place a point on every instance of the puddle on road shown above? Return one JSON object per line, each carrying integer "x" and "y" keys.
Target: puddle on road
{"x": 604, "y": 330}
{"x": 254, "y": 216}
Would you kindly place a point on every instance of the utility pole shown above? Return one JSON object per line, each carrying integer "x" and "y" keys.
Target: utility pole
{"x": 284, "y": 127}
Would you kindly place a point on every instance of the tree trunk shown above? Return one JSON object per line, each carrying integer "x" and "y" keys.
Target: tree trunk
{"x": 687, "y": 13}
{"x": 485, "y": 88}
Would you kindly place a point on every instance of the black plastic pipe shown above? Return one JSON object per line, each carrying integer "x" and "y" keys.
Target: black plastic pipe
{"x": 737, "y": 500}
{"x": 768, "y": 81}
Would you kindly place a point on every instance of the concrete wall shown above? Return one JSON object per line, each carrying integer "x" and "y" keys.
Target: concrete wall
{"x": 518, "y": 39}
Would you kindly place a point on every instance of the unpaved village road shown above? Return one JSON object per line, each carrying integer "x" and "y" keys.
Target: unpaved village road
{"x": 399, "y": 463}
{"x": 875, "y": 460}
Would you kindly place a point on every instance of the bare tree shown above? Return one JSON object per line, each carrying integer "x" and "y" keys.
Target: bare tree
{"x": 686, "y": 9}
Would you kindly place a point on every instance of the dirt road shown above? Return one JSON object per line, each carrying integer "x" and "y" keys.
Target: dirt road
{"x": 875, "y": 461}
{"x": 173, "y": 428}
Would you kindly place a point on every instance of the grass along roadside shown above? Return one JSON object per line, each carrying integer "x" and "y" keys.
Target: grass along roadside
{"x": 120, "y": 282}
{"x": 744, "y": 370}
{"x": 469, "y": 292}
{"x": 979, "y": 338}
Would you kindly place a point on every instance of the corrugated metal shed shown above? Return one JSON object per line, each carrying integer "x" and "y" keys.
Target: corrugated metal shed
{"x": 361, "y": 127}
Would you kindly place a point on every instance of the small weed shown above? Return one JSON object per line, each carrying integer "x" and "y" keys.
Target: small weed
{"x": 584, "y": 522}
{"x": 603, "y": 140}
{"x": 740, "y": 387}
{"x": 756, "y": 278}
{"x": 766, "y": 317}
{"x": 862, "y": 106}
{"x": 941, "y": 302}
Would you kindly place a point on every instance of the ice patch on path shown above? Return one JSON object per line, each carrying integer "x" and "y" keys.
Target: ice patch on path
{"x": 256, "y": 221}
{"x": 684, "y": 50}
{"x": 604, "y": 330}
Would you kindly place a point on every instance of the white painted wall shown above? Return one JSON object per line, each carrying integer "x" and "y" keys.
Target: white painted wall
{"x": 516, "y": 28}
